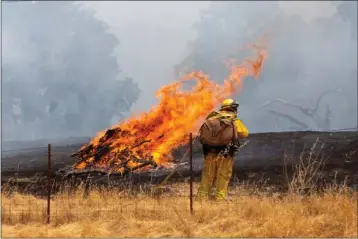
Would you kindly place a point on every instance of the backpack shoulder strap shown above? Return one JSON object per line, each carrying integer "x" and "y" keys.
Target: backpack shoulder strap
{"x": 213, "y": 114}
{"x": 232, "y": 117}
{"x": 228, "y": 115}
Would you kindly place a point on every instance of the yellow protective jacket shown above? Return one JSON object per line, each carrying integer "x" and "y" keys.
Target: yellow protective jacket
{"x": 241, "y": 129}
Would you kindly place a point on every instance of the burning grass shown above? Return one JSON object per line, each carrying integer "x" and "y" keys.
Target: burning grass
{"x": 249, "y": 213}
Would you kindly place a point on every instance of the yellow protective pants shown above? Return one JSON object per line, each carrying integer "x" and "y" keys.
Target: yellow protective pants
{"x": 217, "y": 172}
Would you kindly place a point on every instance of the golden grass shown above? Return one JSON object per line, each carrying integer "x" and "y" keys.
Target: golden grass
{"x": 112, "y": 214}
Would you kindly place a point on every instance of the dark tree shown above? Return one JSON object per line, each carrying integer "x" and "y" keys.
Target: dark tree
{"x": 60, "y": 71}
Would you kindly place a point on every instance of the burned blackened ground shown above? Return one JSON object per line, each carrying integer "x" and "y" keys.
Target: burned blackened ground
{"x": 265, "y": 158}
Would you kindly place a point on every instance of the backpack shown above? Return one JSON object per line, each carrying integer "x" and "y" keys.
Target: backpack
{"x": 218, "y": 130}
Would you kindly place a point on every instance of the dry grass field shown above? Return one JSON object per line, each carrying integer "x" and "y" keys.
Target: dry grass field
{"x": 247, "y": 214}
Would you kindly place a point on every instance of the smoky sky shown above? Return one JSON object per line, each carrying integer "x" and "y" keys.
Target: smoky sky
{"x": 321, "y": 58}
{"x": 154, "y": 37}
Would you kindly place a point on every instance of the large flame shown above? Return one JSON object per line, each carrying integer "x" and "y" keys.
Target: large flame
{"x": 154, "y": 134}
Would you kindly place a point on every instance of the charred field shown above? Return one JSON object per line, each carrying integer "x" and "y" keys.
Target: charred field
{"x": 268, "y": 160}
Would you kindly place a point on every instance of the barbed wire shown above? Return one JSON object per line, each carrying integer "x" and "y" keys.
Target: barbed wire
{"x": 42, "y": 147}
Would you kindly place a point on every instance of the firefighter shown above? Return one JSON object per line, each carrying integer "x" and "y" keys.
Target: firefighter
{"x": 218, "y": 161}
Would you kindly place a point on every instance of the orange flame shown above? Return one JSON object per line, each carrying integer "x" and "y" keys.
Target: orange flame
{"x": 178, "y": 113}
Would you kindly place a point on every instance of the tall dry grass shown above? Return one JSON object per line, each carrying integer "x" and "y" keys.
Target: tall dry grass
{"x": 304, "y": 211}
{"x": 113, "y": 214}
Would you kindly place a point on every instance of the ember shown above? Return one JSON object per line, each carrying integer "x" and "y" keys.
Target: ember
{"x": 148, "y": 139}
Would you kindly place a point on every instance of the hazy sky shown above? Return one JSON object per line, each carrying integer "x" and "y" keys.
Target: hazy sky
{"x": 154, "y": 35}
{"x": 153, "y": 38}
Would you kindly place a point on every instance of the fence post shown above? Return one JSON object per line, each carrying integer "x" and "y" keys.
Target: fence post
{"x": 356, "y": 192}
{"x": 48, "y": 183}
{"x": 191, "y": 171}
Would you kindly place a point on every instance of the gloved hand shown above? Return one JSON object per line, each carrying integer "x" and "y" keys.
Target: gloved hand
{"x": 235, "y": 148}
{"x": 237, "y": 142}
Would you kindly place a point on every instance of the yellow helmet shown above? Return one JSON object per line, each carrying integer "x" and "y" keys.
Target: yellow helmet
{"x": 229, "y": 103}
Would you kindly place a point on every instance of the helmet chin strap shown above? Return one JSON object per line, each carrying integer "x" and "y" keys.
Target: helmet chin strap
{"x": 235, "y": 109}
{"x": 231, "y": 109}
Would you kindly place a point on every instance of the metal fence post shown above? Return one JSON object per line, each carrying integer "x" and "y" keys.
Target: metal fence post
{"x": 191, "y": 171}
{"x": 48, "y": 183}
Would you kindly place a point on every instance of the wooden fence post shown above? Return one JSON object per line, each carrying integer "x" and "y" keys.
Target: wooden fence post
{"x": 191, "y": 171}
{"x": 48, "y": 183}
